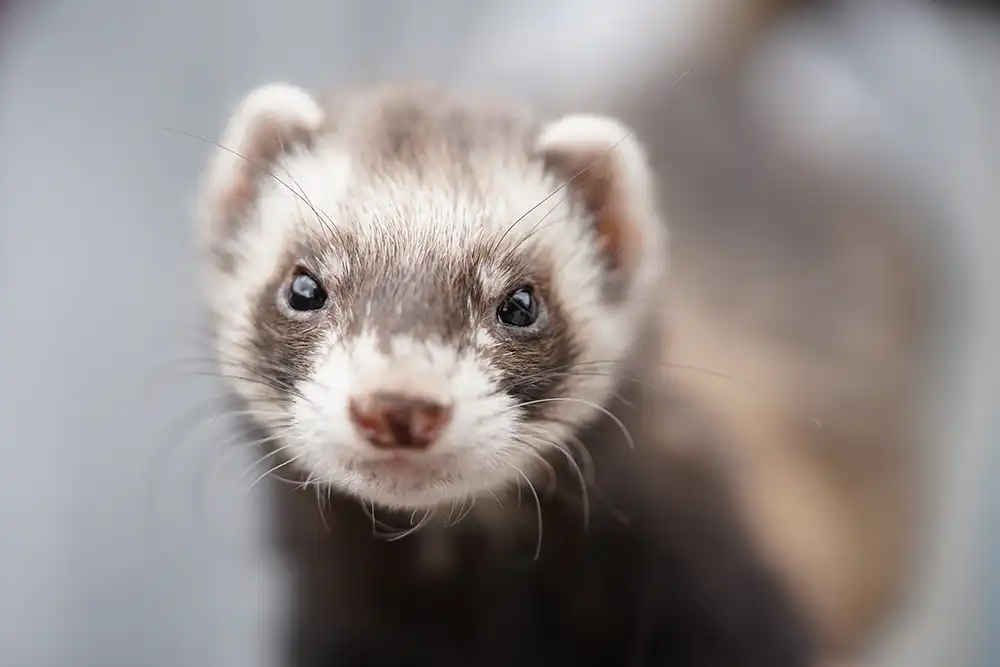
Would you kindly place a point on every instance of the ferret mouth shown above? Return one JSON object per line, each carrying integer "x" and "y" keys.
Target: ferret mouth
{"x": 417, "y": 481}
{"x": 407, "y": 472}
{"x": 427, "y": 466}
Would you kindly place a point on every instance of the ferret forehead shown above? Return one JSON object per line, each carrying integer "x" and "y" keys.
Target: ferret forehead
{"x": 412, "y": 172}
{"x": 404, "y": 209}
{"x": 429, "y": 129}
{"x": 449, "y": 165}
{"x": 417, "y": 173}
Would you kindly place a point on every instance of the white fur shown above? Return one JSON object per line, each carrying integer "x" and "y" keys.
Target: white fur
{"x": 585, "y": 133}
{"x": 277, "y": 105}
{"x": 283, "y": 103}
{"x": 488, "y": 444}
{"x": 471, "y": 453}
{"x": 600, "y": 138}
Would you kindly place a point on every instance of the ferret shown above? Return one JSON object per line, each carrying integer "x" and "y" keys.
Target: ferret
{"x": 440, "y": 313}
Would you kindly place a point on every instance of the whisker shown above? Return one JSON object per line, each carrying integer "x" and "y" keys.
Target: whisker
{"x": 472, "y": 504}
{"x": 204, "y": 482}
{"x": 274, "y": 469}
{"x": 451, "y": 512}
{"x": 177, "y": 436}
{"x": 325, "y": 221}
{"x": 256, "y": 365}
{"x": 543, "y": 377}
{"x": 539, "y": 226}
{"x": 601, "y": 408}
{"x": 565, "y": 185}
{"x": 271, "y": 454}
{"x": 406, "y": 533}
{"x": 377, "y": 524}
{"x": 263, "y": 169}
{"x": 588, "y": 468}
{"x": 262, "y": 382}
{"x": 320, "y": 500}
{"x": 551, "y": 471}
{"x": 562, "y": 187}
{"x": 495, "y": 497}
{"x": 575, "y": 467}
{"x": 538, "y": 506}
{"x": 588, "y": 464}
{"x": 749, "y": 387}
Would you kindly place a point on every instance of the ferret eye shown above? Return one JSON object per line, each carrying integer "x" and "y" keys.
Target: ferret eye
{"x": 305, "y": 293}
{"x": 519, "y": 308}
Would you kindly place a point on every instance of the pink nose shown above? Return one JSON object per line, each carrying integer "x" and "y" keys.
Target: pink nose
{"x": 397, "y": 421}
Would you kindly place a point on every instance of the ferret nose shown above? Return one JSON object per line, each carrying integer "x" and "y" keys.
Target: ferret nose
{"x": 396, "y": 421}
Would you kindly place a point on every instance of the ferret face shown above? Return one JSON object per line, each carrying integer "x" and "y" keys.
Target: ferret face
{"x": 410, "y": 296}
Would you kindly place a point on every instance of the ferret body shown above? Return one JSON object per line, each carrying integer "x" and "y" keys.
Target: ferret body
{"x": 799, "y": 277}
{"x": 442, "y": 314}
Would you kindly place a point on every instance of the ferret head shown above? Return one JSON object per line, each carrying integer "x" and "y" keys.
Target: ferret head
{"x": 417, "y": 294}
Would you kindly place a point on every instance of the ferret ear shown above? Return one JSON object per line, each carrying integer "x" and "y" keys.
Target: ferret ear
{"x": 273, "y": 119}
{"x": 607, "y": 166}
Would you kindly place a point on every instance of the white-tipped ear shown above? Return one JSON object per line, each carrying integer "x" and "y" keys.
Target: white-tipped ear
{"x": 607, "y": 166}
{"x": 272, "y": 119}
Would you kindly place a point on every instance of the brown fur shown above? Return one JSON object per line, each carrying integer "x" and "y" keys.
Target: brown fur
{"x": 797, "y": 283}
{"x": 419, "y": 126}
{"x": 592, "y": 180}
{"x": 269, "y": 139}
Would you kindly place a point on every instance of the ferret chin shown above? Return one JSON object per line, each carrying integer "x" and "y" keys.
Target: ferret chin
{"x": 430, "y": 300}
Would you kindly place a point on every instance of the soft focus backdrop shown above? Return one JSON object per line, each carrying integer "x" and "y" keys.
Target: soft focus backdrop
{"x": 127, "y": 536}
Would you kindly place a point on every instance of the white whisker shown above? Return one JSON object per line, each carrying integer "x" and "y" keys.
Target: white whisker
{"x": 533, "y": 452}
{"x": 588, "y": 461}
{"x": 538, "y": 505}
{"x": 319, "y": 506}
{"x": 274, "y": 469}
{"x": 471, "y": 504}
{"x": 401, "y": 534}
{"x": 265, "y": 457}
{"x": 575, "y": 467}
{"x": 611, "y": 415}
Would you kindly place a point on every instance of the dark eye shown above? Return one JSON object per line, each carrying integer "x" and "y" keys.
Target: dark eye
{"x": 305, "y": 293}
{"x": 519, "y": 308}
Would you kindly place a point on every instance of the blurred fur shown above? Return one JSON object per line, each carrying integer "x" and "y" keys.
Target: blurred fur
{"x": 800, "y": 282}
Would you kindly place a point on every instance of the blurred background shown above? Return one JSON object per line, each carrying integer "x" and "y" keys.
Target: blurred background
{"x": 832, "y": 172}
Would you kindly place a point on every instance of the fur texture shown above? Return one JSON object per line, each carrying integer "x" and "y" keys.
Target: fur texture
{"x": 797, "y": 283}
{"x": 419, "y": 212}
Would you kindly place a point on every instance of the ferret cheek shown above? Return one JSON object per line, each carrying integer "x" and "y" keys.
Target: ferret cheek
{"x": 490, "y": 419}
{"x": 307, "y": 428}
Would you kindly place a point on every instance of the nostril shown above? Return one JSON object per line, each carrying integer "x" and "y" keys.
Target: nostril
{"x": 398, "y": 421}
{"x": 363, "y": 416}
{"x": 428, "y": 420}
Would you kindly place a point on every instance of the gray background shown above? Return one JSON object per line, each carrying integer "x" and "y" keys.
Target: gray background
{"x": 116, "y": 548}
